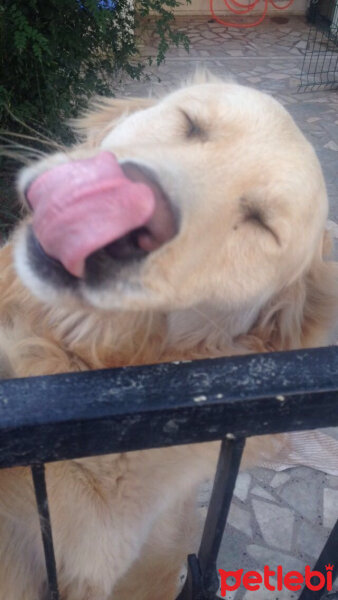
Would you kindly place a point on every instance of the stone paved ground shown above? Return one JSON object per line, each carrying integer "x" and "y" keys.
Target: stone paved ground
{"x": 276, "y": 517}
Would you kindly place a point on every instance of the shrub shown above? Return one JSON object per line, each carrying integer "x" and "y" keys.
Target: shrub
{"x": 55, "y": 55}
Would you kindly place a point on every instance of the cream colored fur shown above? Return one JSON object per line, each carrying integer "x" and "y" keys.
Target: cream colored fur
{"x": 245, "y": 273}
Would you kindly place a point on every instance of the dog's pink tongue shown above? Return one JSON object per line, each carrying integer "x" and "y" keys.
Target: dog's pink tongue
{"x": 83, "y": 205}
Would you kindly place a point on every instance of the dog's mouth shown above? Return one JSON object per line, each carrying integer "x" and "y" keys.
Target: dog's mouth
{"x": 159, "y": 229}
{"x": 91, "y": 212}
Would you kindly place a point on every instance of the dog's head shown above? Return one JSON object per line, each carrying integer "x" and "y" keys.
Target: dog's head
{"x": 210, "y": 194}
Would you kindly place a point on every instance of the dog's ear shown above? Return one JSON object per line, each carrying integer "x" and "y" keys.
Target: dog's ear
{"x": 304, "y": 313}
{"x": 104, "y": 114}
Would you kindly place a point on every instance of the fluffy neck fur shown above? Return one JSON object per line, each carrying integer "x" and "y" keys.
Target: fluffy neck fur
{"x": 39, "y": 339}
{"x": 36, "y": 339}
{"x": 119, "y": 339}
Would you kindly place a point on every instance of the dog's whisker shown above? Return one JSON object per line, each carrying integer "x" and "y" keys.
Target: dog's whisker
{"x": 38, "y": 135}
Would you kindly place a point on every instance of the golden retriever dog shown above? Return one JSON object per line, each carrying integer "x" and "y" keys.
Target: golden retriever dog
{"x": 182, "y": 228}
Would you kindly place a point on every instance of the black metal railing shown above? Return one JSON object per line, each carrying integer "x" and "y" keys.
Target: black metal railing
{"x": 138, "y": 408}
{"x": 320, "y": 64}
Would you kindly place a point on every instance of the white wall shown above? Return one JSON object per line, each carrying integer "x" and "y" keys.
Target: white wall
{"x": 201, "y": 7}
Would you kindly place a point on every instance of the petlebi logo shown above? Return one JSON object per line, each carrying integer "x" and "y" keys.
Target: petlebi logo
{"x": 290, "y": 580}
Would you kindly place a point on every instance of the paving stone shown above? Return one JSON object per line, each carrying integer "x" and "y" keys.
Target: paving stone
{"x": 332, "y": 146}
{"x": 330, "y": 503}
{"x": 333, "y": 229}
{"x": 240, "y": 519}
{"x": 242, "y": 486}
{"x": 279, "y": 479}
{"x": 233, "y": 553}
{"x": 307, "y": 473}
{"x": 264, "y": 475}
{"x": 303, "y": 496}
{"x": 277, "y": 76}
{"x": 332, "y": 481}
{"x": 302, "y": 44}
{"x": 259, "y": 491}
{"x": 276, "y": 523}
{"x": 273, "y": 558}
{"x": 254, "y": 79}
{"x": 311, "y": 540}
{"x": 235, "y": 52}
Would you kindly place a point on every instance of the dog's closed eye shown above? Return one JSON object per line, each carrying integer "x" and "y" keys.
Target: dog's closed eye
{"x": 192, "y": 129}
{"x": 254, "y": 214}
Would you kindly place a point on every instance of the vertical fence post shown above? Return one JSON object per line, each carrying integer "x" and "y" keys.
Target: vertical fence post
{"x": 220, "y": 501}
{"x": 202, "y": 579}
{"x": 39, "y": 481}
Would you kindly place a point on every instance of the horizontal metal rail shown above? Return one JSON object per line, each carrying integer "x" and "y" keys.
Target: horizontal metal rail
{"x": 60, "y": 417}
{"x": 83, "y": 414}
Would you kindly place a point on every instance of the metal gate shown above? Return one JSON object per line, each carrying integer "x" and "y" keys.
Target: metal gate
{"x": 242, "y": 397}
{"x": 320, "y": 65}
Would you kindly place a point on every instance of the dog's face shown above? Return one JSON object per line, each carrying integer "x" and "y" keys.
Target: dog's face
{"x": 211, "y": 194}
